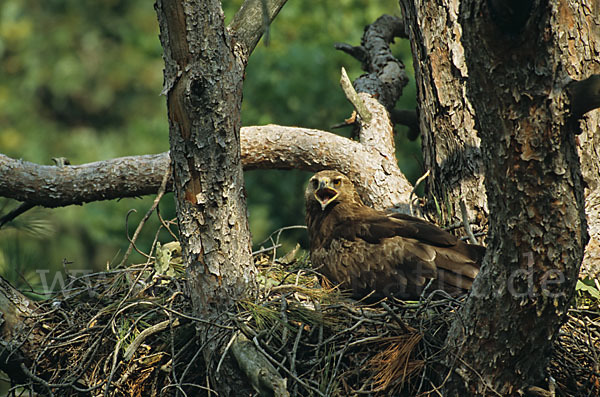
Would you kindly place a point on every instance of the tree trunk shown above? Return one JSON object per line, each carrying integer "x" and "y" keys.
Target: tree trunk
{"x": 580, "y": 52}
{"x": 503, "y": 75}
{"x": 450, "y": 141}
{"x": 203, "y": 84}
{"x": 446, "y": 116}
{"x": 204, "y": 72}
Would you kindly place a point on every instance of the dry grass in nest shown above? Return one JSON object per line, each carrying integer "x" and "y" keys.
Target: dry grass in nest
{"x": 130, "y": 332}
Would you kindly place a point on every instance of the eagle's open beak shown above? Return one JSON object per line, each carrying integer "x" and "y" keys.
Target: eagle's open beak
{"x": 325, "y": 195}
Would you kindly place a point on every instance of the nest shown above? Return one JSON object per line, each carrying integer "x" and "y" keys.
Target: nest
{"x": 130, "y": 332}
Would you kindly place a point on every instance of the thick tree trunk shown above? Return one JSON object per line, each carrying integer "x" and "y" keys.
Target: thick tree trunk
{"x": 204, "y": 72}
{"x": 580, "y": 51}
{"x": 203, "y": 84}
{"x": 446, "y": 115}
{"x": 504, "y": 77}
{"x": 450, "y": 140}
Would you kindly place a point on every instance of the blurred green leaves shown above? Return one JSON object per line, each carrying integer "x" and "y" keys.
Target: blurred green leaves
{"x": 82, "y": 80}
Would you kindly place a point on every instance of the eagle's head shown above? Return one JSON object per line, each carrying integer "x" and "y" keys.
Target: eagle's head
{"x": 327, "y": 187}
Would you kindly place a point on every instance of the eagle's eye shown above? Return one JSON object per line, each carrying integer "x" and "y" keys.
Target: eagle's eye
{"x": 337, "y": 182}
{"x": 315, "y": 183}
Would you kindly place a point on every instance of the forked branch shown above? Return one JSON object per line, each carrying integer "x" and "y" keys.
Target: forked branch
{"x": 252, "y": 20}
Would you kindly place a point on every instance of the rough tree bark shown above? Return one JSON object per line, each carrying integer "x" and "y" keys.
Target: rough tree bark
{"x": 450, "y": 141}
{"x": 446, "y": 115}
{"x": 204, "y": 71}
{"x": 464, "y": 51}
{"x": 580, "y": 51}
{"x": 203, "y": 85}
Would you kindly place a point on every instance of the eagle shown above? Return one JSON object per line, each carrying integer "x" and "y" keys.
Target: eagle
{"x": 379, "y": 254}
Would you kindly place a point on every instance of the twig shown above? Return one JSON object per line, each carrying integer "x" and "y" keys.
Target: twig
{"x": 337, "y": 366}
{"x": 295, "y": 348}
{"x": 287, "y": 371}
{"x": 357, "y": 52}
{"x": 24, "y": 207}
{"x": 465, "y": 219}
{"x": 189, "y": 366}
{"x": 395, "y": 317}
{"x": 260, "y": 372}
{"x": 275, "y": 243}
{"x": 165, "y": 224}
{"x": 262, "y": 250}
{"x": 354, "y": 99}
{"x": 413, "y": 192}
{"x": 159, "y": 195}
{"x": 128, "y": 355}
{"x": 227, "y": 347}
{"x": 37, "y": 379}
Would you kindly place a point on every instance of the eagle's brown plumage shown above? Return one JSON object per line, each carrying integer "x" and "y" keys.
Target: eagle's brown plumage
{"x": 366, "y": 250}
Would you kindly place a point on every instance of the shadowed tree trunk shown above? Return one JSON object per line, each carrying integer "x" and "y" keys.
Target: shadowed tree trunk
{"x": 488, "y": 71}
{"x": 446, "y": 116}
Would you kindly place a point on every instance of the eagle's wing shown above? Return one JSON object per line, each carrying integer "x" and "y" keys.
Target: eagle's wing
{"x": 396, "y": 266}
{"x": 374, "y": 226}
{"x": 401, "y": 249}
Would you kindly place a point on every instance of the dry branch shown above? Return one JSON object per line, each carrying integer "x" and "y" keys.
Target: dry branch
{"x": 386, "y": 76}
{"x": 52, "y": 186}
{"x": 268, "y": 146}
{"x": 354, "y": 99}
{"x": 258, "y": 369}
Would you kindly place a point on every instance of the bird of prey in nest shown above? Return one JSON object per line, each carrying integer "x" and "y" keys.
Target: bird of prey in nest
{"x": 379, "y": 253}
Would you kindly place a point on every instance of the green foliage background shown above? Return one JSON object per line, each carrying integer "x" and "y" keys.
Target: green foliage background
{"x": 82, "y": 80}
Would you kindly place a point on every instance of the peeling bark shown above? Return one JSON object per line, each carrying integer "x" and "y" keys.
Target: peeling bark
{"x": 450, "y": 140}
{"x": 579, "y": 49}
{"x": 204, "y": 71}
{"x": 203, "y": 84}
{"x": 498, "y": 71}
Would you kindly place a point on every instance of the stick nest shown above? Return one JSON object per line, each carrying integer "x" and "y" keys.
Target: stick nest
{"x": 131, "y": 332}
